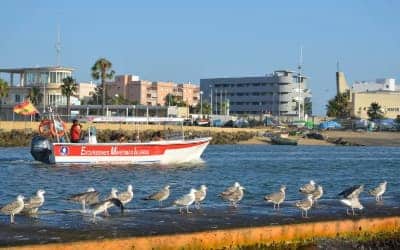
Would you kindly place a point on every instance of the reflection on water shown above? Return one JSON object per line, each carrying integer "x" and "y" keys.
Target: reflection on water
{"x": 261, "y": 169}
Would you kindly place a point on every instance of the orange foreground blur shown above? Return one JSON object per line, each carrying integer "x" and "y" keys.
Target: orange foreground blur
{"x": 237, "y": 237}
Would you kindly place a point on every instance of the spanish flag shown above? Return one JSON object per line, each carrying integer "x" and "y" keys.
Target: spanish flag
{"x": 25, "y": 108}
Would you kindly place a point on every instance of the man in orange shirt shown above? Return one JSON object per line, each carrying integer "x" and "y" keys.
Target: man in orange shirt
{"x": 75, "y": 131}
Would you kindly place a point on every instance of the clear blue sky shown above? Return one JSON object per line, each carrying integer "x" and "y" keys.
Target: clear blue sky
{"x": 190, "y": 40}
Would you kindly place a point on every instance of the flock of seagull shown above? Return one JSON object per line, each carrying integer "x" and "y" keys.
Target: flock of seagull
{"x": 233, "y": 195}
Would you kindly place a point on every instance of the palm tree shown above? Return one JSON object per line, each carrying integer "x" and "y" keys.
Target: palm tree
{"x": 68, "y": 89}
{"x": 102, "y": 70}
{"x": 34, "y": 95}
{"x": 338, "y": 106}
{"x": 374, "y": 111}
{"x": 4, "y": 88}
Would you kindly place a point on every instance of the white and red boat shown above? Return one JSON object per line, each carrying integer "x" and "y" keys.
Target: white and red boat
{"x": 162, "y": 152}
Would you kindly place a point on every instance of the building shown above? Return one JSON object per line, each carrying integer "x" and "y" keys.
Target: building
{"x": 383, "y": 91}
{"x": 144, "y": 92}
{"x": 47, "y": 79}
{"x": 276, "y": 94}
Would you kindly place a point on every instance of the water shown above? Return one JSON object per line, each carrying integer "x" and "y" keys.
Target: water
{"x": 261, "y": 169}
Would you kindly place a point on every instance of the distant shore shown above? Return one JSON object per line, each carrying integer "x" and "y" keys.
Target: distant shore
{"x": 19, "y": 134}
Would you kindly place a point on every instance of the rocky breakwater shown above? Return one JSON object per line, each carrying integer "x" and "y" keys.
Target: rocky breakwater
{"x": 22, "y": 138}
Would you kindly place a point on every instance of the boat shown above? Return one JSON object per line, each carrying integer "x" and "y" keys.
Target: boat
{"x": 278, "y": 140}
{"x": 174, "y": 151}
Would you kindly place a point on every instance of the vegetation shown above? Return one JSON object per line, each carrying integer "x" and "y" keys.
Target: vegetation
{"x": 173, "y": 100}
{"x": 102, "y": 70}
{"x": 339, "y": 106}
{"x": 375, "y": 111}
{"x": 35, "y": 96}
{"x": 197, "y": 109}
{"x": 68, "y": 89}
{"x": 4, "y": 88}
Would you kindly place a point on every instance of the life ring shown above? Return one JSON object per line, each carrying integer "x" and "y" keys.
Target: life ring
{"x": 58, "y": 128}
{"x": 45, "y": 127}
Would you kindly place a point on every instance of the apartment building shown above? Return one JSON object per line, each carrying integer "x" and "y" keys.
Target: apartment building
{"x": 152, "y": 93}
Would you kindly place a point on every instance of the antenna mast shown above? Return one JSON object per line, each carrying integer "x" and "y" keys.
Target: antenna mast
{"x": 58, "y": 46}
{"x": 299, "y": 80}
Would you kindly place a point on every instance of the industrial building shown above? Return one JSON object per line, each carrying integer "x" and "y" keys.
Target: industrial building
{"x": 277, "y": 94}
{"x": 361, "y": 94}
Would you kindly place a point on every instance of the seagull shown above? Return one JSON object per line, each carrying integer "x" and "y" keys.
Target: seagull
{"x": 276, "y": 198}
{"x": 353, "y": 203}
{"x": 35, "y": 202}
{"x": 232, "y": 188}
{"x": 113, "y": 193}
{"x": 307, "y": 188}
{"x": 305, "y": 205}
{"x": 233, "y": 195}
{"x": 186, "y": 200}
{"x": 102, "y": 206}
{"x": 351, "y": 197}
{"x": 200, "y": 195}
{"x": 159, "y": 196}
{"x": 379, "y": 191}
{"x": 317, "y": 194}
{"x": 13, "y": 208}
{"x": 352, "y": 192}
{"x": 91, "y": 196}
{"x": 126, "y": 196}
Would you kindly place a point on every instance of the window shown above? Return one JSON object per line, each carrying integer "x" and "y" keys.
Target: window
{"x": 53, "y": 77}
{"x": 17, "y": 98}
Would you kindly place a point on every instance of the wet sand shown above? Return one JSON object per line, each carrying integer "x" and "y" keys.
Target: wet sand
{"x": 168, "y": 221}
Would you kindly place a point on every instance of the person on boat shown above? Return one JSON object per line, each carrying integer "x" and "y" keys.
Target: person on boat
{"x": 75, "y": 131}
{"x": 157, "y": 136}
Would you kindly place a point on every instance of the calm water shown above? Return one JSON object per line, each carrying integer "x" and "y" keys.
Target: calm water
{"x": 261, "y": 169}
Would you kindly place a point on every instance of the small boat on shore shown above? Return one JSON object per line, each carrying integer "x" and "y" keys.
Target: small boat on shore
{"x": 278, "y": 140}
{"x": 175, "y": 151}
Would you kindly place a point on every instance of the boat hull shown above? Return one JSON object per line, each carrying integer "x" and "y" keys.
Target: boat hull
{"x": 162, "y": 152}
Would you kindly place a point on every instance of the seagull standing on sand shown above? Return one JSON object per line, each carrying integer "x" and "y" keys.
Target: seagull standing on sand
{"x": 276, "y": 198}
{"x": 317, "y": 194}
{"x": 379, "y": 191}
{"x": 308, "y": 188}
{"x": 91, "y": 196}
{"x": 186, "y": 201}
{"x": 102, "y": 206}
{"x": 200, "y": 195}
{"x": 159, "y": 196}
{"x": 233, "y": 194}
{"x": 351, "y": 198}
{"x": 13, "y": 208}
{"x": 34, "y": 203}
{"x": 305, "y": 205}
{"x": 126, "y": 196}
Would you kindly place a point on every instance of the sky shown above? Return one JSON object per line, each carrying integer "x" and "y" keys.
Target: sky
{"x": 185, "y": 41}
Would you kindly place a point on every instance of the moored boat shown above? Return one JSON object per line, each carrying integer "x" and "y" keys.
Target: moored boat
{"x": 277, "y": 140}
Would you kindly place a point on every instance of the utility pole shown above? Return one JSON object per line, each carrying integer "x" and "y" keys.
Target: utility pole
{"x": 211, "y": 99}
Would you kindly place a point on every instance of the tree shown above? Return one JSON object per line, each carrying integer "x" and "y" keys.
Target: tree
{"x": 375, "y": 112}
{"x": 173, "y": 100}
{"x": 102, "y": 70}
{"x": 196, "y": 109}
{"x": 34, "y": 95}
{"x": 338, "y": 106}
{"x": 4, "y": 89}
{"x": 68, "y": 89}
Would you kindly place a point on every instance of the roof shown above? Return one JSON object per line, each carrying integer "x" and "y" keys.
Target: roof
{"x": 22, "y": 70}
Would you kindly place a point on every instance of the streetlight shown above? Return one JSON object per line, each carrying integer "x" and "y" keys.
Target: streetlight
{"x": 201, "y": 103}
